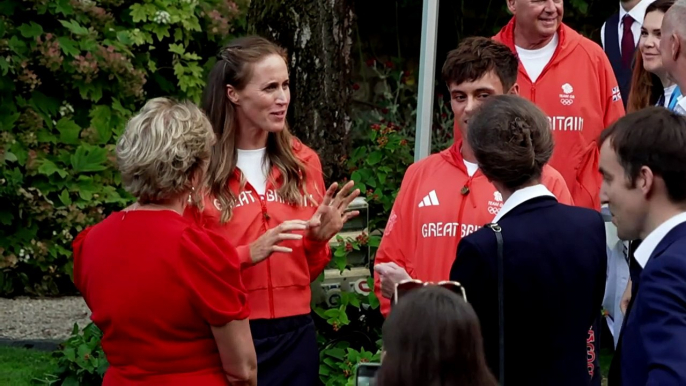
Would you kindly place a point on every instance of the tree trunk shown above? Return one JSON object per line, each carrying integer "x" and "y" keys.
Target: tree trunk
{"x": 317, "y": 35}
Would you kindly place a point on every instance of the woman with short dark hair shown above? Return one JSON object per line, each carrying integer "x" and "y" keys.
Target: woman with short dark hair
{"x": 432, "y": 337}
{"x": 551, "y": 256}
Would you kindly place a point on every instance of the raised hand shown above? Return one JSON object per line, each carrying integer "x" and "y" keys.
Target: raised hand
{"x": 267, "y": 244}
{"x": 331, "y": 214}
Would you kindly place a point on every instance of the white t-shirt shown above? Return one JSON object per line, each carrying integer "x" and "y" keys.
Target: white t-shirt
{"x": 471, "y": 167}
{"x": 534, "y": 61}
{"x": 251, "y": 163}
{"x": 680, "y": 107}
{"x": 668, "y": 94}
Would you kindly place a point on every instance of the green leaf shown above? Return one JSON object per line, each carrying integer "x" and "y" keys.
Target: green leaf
{"x": 3, "y": 28}
{"x": 86, "y": 187}
{"x": 337, "y": 353}
{"x": 48, "y": 168}
{"x": 125, "y": 38}
{"x": 71, "y": 380}
{"x": 100, "y": 120}
{"x": 64, "y": 7}
{"x": 44, "y": 136}
{"x": 69, "y": 131}
{"x": 374, "y": 158}
{"x": 138, "y": 13}
{"x": 89, "y": 159}
{"x": 45, "y": 104}
{"x": 374, "y": 241}
{"x": 30, "y": 30}
{"x": 4, "y": 66}
{"x": 176, "y": 49}
{"x": 20, "y": 152}
{"x": 6, "y": 218}
{"x": 68, "y": 46}
{"x": 332, "y": 313}
{"x": 10, "y": 157}
{"x": 7, "y": 120}
{"x": 64, "y": 197}
{"x": 17, "y": 46}
{"x": 343, "y": 318}
{"x": 70, "y": 353}
{"x": 381, "y": 177}
{"x": 74, "y": 27}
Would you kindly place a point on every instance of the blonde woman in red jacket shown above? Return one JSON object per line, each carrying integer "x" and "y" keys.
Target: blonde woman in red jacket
{"x": 267, "y": 195}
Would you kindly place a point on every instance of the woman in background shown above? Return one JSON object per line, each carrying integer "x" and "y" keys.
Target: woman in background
{"x": 166, "y": 294}
{"x": 432, "y": 337}
{"x": 650, "y": 84}
{"x": 267, "y": 196}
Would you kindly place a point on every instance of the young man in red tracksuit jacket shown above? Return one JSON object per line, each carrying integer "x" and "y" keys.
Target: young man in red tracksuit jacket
{"x": 444, "y": 197}
{"x": 570, "y": 78}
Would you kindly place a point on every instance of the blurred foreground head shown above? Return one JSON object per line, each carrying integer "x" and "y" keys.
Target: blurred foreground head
{"x": 432, "y": 337}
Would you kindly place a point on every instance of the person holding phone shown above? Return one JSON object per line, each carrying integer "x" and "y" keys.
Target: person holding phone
{"x": 267, "y": 196}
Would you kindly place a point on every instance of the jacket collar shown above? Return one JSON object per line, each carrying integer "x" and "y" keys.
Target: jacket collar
{"x": 521, "y": 196}
{"x": 569, "y": 39}
{"x": 661, "y": 237}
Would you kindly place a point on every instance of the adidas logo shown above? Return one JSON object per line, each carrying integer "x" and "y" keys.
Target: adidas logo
{"x": 429, "y": 200}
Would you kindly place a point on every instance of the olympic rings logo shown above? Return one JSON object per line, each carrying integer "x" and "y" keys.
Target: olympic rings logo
{"x": 493, "y": 210}
{"x": 566, "y": 102}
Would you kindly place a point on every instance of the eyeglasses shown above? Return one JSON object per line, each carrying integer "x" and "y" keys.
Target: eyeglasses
{"x": 405, "y": 286}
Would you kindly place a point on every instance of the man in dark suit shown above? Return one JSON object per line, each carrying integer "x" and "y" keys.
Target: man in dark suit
{"x": 643, "y": 163}
{"x": 554, "y": 256}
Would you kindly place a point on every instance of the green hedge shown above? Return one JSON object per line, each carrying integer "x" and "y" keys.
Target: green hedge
{"x": 73, "y": 71}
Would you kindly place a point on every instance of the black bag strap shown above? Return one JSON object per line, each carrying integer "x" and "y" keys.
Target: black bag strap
{"x": 501, "y": 314}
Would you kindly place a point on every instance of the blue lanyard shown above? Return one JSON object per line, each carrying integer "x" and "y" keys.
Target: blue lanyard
{"x": 674, "y": 98}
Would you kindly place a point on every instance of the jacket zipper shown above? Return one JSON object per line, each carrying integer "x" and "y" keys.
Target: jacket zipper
{"x": 265, "y": 218}
{"x": 464, "y": 192}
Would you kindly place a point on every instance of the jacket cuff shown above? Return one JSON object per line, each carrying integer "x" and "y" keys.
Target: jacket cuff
{"x": 244, "y": 256}
{"x": 313, "y": 246}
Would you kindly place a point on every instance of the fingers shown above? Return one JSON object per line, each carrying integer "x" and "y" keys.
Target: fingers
{"x": 328, "y": 197}
{"x": 292, "y": 225}
{"x": 338, "y": 200}
{"x": 288, "y": 236}
{"x": 350, "y": 215}
{"x": 277, "y": 248}
{"x": 346, "y": 201}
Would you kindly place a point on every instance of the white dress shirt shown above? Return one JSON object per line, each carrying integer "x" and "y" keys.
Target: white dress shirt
{"x": 648, "y": 245}
{"x": 638, "y": 13}
{"x": 680, "y": 107}
{"x": 520, "y": 196}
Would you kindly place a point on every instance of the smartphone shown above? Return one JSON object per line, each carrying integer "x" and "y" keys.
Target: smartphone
{"x": 365, "y": 374}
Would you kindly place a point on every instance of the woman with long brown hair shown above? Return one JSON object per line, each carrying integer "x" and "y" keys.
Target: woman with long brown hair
{"x": 650, "y": 84}
{"x": 432, "y": 337}
{"x": 267, "y": 196}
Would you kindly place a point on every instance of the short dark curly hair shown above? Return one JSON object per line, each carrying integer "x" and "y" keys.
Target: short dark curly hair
{"x": 511, "y": 140}
{"x": 475, "y": 56}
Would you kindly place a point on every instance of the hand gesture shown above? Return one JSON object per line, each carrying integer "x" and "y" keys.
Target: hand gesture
{"x": 264, "y": 246}
{"x": 390, "y": 275}
{"x": 626, "y": 298}
{"x": 331, "y": 214}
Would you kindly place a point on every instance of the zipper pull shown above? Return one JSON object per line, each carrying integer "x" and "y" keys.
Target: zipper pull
{"x": 465, "y": 190}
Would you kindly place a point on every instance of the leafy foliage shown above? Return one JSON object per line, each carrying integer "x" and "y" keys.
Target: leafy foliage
{"x": 80, "y": 360}
{"x": 73, "y": 71}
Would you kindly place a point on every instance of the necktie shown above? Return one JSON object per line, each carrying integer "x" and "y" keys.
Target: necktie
{"x": 628, "y": 44}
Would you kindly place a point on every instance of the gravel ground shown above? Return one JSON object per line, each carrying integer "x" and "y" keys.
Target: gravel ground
{"x": 50, "y": 318}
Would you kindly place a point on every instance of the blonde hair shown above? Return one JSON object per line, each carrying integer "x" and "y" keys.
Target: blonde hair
{"x": 234, "y": 67}
{"x": 163, "y": 146}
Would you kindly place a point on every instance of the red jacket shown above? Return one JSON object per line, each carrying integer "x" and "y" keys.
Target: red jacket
{"x": 279, "y": 286}
{"x": 579, "y": 92}
{"x": 438, "y": 204}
